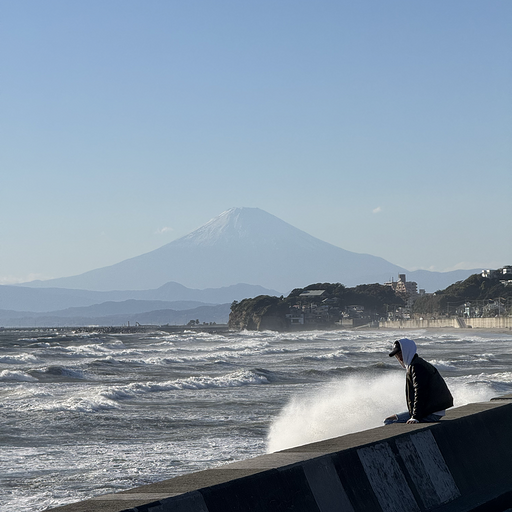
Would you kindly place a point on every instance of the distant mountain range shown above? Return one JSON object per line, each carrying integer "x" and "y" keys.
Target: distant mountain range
{"x": 169, "y": 304}
{"x": 120, "y": 313}
{"x": 247, "y": 245}
{"x": 22, "y": 298}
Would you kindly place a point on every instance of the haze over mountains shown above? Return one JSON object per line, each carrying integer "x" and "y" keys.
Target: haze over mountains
{"x": 200, "y": 274}
{"x": 246, "y": 245}
{"x": 128, "y": 312}
{"x": 169, "y": 304}
{"x": 21, "y": 298}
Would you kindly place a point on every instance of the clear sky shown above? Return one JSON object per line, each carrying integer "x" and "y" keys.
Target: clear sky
{"x": 380, "y": 127}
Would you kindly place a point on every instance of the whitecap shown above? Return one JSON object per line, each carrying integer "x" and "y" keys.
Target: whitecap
{"x": 22, "y": 358}
{"x": 9, "y": 376}
{"x": 340, "y": 354}
{"x": 443, "y": 365}
{"x": 80, "y": 404}
{"x": 235, "y": 379}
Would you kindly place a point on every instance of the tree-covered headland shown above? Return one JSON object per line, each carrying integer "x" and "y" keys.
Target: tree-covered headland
{"x": 320, "y": 305}
{"x": 330, "y": 305}
{"x": 477, "y": 296}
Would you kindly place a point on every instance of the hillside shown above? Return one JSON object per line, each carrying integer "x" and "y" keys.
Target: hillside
{"x": 480, "y": 293}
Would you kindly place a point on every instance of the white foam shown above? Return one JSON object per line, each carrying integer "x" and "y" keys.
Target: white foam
{"x": 349, "y": 405}
{"x": 19, "y": 359}
{"x": 339, "y": 354}
{"x": 114, "y": 348}
{"x": 84, "y": 403}
{"x": 9, "y": 376}
{"x": 443, "y": 366}
{"x": 235, "y": 379}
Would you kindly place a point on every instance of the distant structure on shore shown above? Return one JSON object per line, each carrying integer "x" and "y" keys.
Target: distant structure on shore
{"x": 406, "y": 289}
{"x": 502, "y": 274}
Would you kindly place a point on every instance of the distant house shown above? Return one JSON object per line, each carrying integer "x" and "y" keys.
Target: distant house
{"x": 295, "y": 317}
{"x": 354, "y": 311}
{"x": 503, "y": 274}
{"x": 506, "y": 272}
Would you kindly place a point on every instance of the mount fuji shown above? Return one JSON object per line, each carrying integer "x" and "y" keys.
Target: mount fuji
{"x": 242, "y": 245}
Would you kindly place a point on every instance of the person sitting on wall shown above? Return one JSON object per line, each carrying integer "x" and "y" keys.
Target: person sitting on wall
{"x": 426, "y": 391}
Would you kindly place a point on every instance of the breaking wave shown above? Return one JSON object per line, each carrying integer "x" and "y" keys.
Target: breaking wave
{"x": 9, "y": 376}
{"x": 236, "y": 379}
{"x": 19, "y": 359}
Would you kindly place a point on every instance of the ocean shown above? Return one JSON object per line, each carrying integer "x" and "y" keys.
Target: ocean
{"x": 89, "y": 414}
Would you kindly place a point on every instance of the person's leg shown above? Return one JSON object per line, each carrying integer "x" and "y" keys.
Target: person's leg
{"x": 397, "y": 418}
{"x": 391, "y": 419}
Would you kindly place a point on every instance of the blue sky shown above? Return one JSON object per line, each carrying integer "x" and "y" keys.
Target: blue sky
{"x": 380, "y": 127}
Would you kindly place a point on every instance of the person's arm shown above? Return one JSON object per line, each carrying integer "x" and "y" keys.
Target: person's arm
{"x": 420, "y": 377}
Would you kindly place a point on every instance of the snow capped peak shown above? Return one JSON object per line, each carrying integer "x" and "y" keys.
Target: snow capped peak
{"x": 248, "y": 224}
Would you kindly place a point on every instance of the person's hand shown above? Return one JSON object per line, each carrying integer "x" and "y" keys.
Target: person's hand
{"x": 412, "y": 420}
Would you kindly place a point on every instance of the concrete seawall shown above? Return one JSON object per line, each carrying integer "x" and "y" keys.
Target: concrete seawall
{"x": 463, "y": 463}
{"x": 504, "y": 322}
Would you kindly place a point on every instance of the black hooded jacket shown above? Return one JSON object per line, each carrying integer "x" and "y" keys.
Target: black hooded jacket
{"x": 425, "y": 389}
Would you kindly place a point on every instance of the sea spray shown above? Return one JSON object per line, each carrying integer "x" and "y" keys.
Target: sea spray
{"x": 340, "y": 407}
{"x": 466, "y": 391}
{"x": 353, "y": 404}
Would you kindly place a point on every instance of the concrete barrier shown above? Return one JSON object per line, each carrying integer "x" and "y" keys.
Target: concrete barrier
{"x": 424, "y": 323}
{"x": 463, "y": 463}
{"x": 504, "y": 322}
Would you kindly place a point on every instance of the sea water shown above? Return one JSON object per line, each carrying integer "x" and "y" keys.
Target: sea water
{"x": 89, "y": 414}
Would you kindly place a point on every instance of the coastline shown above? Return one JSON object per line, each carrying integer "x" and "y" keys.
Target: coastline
{"x": 223, "y": 328}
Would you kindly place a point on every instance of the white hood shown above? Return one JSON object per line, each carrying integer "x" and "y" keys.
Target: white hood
{"x": 408, "y": 350}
